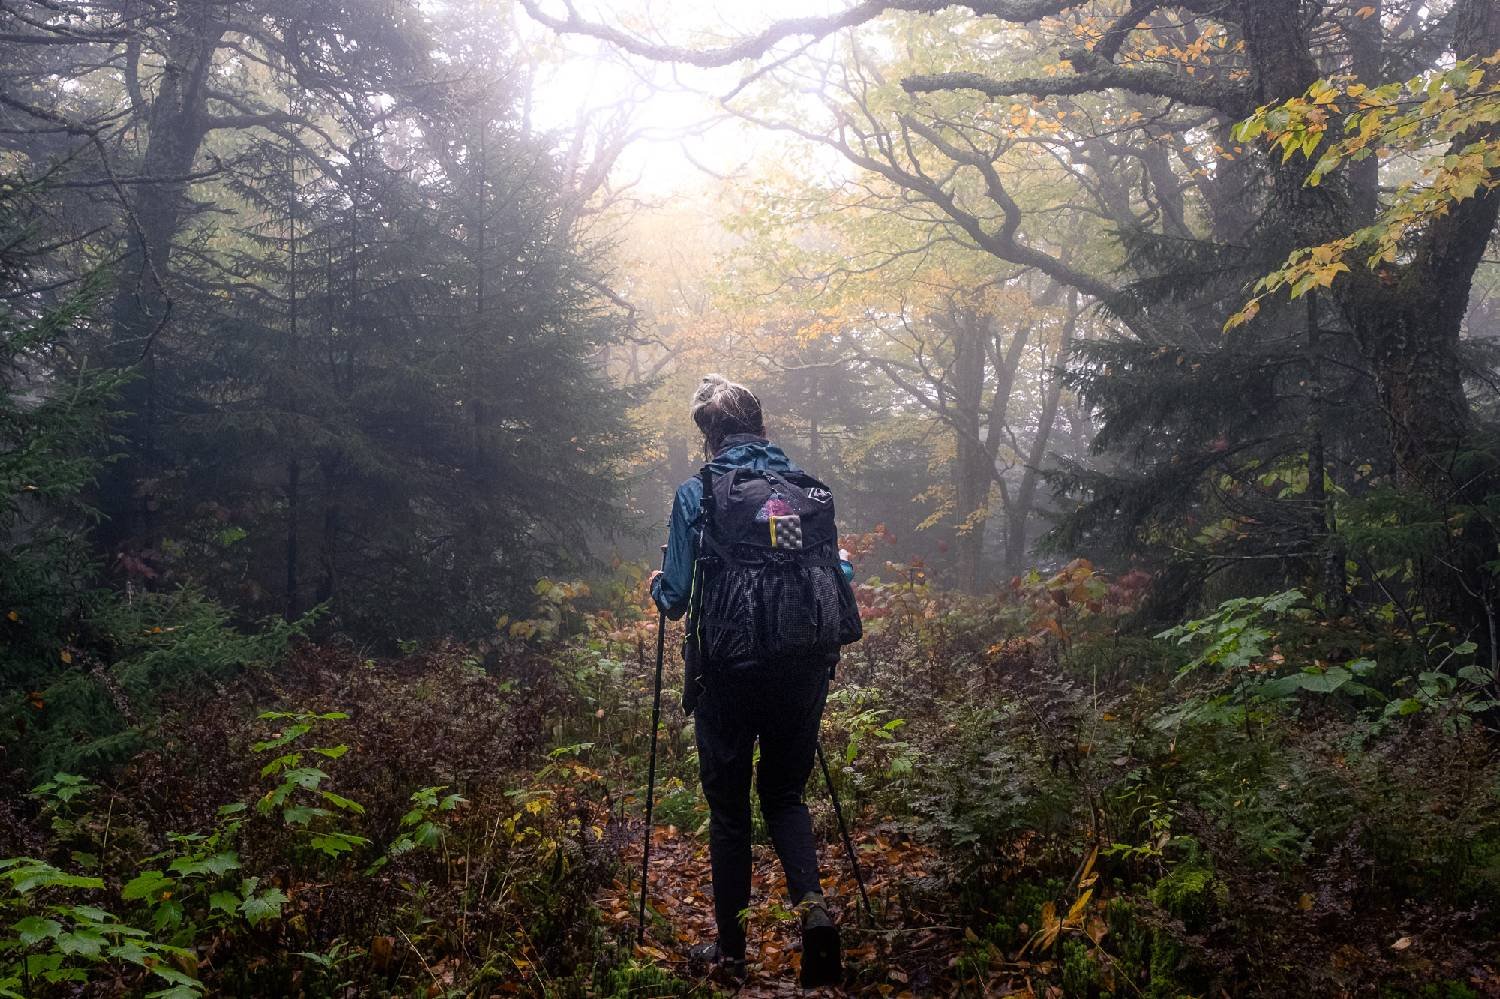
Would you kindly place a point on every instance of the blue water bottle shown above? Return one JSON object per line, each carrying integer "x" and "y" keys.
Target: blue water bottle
{"x": 845, "y": 566}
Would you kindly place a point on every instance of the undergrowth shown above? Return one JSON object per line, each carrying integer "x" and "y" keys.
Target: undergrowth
{"x": 1261, "y": 802}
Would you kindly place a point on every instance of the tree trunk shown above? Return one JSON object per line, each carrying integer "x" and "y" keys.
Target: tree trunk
{"x": 1023, "y": 503}
{"x": 293, "y": 511}
{"x": 973, "y": 466}
{"x": 1327, "y": 554}
{"x": 294, "y": 352}
{"x": 328, "y": 584}
{"x": 1408, "y": 319}
{"x": 1366, "y": 58}
{"x": 176, "y": 127}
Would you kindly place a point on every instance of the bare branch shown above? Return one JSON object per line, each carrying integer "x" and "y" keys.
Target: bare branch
{"x": 1109, "y": 45}
{"x": 1095, "y": 74}
{"x": 813, "y": 28}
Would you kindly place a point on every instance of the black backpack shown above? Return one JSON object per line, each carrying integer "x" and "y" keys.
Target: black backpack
{"x": 767, "y": 586}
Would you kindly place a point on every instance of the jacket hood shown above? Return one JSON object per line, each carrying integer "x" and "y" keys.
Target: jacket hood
{"x": 744, "y": 451}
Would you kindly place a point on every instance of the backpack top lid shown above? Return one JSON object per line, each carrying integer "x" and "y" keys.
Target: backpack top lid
{"x": 768, "y": 509}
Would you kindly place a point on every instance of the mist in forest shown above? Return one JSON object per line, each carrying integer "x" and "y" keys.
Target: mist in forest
{"x": 1151, "y": 351}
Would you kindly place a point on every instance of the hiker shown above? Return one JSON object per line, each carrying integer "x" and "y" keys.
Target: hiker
{"x": 752, "y": 559}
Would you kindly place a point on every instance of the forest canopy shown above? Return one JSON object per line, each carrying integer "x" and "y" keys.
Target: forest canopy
{"x": 1150, "y": 349}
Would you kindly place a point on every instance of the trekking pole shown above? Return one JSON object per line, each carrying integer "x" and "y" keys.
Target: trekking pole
{"x": 661, "y": 646}
{"x": 859, "y": 878}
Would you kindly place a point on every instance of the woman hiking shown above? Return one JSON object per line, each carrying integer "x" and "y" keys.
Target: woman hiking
{"x": 753, "y": 561}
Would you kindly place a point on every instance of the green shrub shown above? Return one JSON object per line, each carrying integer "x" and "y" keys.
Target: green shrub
{"x": 99, "y": 706}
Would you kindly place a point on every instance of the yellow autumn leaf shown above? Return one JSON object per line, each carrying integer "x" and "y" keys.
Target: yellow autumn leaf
{"x": 65, "y": 656}
{"x": 1364, "y": 12}
{"x": 1075, "y": 914}
{"x": 1243, "y": 316}
{"x": 1051, "y": 927}
{"x": 1084, "y": 880}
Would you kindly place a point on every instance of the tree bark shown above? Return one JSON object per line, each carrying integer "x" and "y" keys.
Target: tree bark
{"x": 1408, "y": 317}
{"x": 1366, "y": 59}
{"x": 293, "y": 511}
{"x": 1023, "y": 504}
{"x": 176, "y": 127}
{"x": 328, "y": 584}
{"x": 973, "y": 466}
{"x": 1408, "y": 320}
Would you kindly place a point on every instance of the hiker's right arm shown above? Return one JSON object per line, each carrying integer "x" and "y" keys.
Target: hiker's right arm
{"x": 670, "y": 590}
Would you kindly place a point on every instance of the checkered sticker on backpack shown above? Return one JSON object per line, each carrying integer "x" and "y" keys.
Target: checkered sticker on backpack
{"x": 786, "y": 532}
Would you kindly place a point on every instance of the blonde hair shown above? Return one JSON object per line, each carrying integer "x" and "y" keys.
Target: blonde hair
{"x": 722, "y": 408}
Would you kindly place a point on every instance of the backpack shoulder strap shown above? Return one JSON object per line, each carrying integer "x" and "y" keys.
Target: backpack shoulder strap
{"x": 706, "y": 535}
{"x": 706, "y": 476}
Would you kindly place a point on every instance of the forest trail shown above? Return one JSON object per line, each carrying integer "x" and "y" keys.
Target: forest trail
{"x": 911, "y": 953}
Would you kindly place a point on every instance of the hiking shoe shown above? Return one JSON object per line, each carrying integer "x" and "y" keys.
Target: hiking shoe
{"x": 821, "y": 963}
{"x": 711, "y": 956}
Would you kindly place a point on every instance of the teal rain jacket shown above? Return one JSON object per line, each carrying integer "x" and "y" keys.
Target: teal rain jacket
{"x": 673, "y": 587}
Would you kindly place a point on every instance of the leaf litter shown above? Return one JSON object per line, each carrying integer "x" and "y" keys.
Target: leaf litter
{"x": 912, "y": 952}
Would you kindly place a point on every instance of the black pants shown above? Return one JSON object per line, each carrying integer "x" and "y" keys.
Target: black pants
{"x": 781, "y": 705}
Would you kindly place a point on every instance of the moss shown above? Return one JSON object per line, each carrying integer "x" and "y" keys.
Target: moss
{"x": 1128, "y": 941}
{"x": 973, "y": 964}
{"x": 1029, "y": 897}
{"x": 1006, "y": 905}
{"x": 1166, "y": 964}
{"x": 1003, "y": 934}
{"x": 1080, "y": 975}
{"x": 1447, "y": 990}
{"x": 1143, "y": 953}
{"x": 644, "y": 981}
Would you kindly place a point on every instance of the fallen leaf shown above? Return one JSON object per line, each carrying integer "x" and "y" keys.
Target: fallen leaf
{"x": 1075, "y": 914}
{"x": 381, "y": 949}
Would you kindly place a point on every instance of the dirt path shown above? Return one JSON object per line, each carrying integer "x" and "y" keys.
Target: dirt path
{"x": 909, "y": 955}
